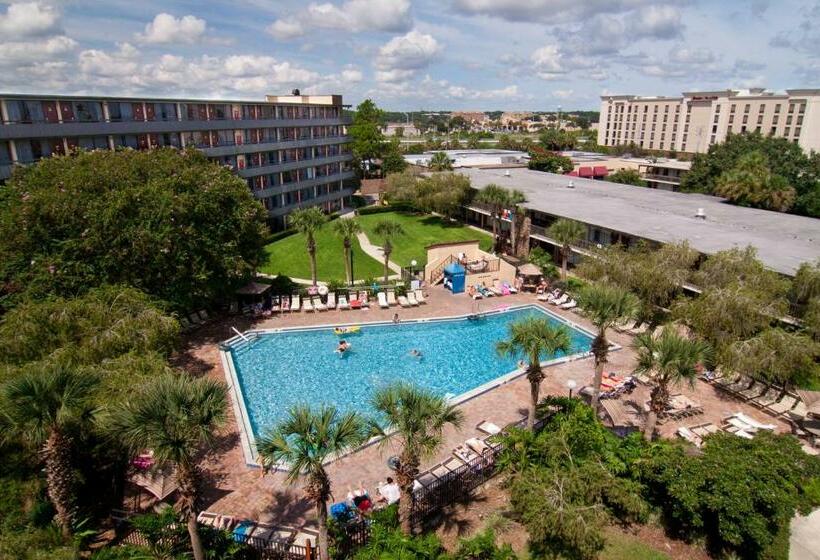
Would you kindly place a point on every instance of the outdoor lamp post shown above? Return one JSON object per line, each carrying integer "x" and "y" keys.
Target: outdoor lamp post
{"x": 413, "y": 264}
{"x": 571, "y": 384}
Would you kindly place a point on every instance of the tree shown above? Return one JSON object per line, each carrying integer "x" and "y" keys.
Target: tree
{"x": 415, "y": 418}
{"x": 498, "y": 199}
{"x": 170, "y": 223}
{"x": 388, "y": 230}
{"x": 392, "y": 159}
{"x": 347, "y": 229}
{"x": 43, "y": 407}
{"x": 176, "y": 417}
{"x": 668, "y": 360}
{"x": 304, "y": 441}
{"x": 540, "y": 258}
{"x": 556, "y": 140}
{"x": 785, "y": 358}
{"x": 605, "y": 306}
{"x": 549, "y": 162}
{"x": 627, "y": 177}
{"x": 535, "y": 337}
{"x": 444, "y": 193}
{"x": 440, "y": 161}
{"x": 308, "y": 221}
{"x": 785, "y": 159}
{"x": 751, "y": 183}
{"x": 566, "y": 232}
{"x": 366, "y": 134}
{"x": 805, "y": 286}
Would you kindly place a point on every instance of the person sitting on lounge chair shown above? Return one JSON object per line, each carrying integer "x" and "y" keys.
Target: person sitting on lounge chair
{"x": 542, "y": 287}
{"x": 389, "y": 493}
{"x": 359, "y": 498}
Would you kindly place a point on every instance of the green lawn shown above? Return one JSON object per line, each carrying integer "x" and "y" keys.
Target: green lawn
{"x": 626, "y": 547}
{"x": 419, "y": 232}
{"x": 289, "y": 257}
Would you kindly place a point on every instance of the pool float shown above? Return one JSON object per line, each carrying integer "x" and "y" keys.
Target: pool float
{"x": 347, "y": 330}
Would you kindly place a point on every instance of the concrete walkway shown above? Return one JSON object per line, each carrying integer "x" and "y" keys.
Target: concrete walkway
{"x": 376, "y": 252}
{"x": 804, "y": 542}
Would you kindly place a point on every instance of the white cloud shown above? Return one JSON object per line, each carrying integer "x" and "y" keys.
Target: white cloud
{"x": 400, "y": 58}
{"x": 547, "y": 62}
{"x": 23, "y": 52}
{"x": 123, "y": 62}
{"x": 28, "y": 19}
{"x": 662, "y": 22}
{"x": 166, "y": 28}
{"x": 562, "y": 93}
{"x": 353, "y": 16}
{"x": 546, "y": 11}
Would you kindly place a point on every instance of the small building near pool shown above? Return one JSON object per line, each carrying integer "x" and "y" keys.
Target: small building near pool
{"x": 480, "y": 267}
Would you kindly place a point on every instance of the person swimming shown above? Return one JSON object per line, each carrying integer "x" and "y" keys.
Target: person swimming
{"x": 343, "y": 347}
{"x": 415, "y": 352}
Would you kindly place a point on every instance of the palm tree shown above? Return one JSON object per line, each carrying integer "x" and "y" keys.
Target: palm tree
{"x": 42, "y": 407}
{"x": 415, "y": 418}
{"x": 566, "y": 232}
{"x": 304, "y": 441}
{"x": 534, "y": 337}
{"x": 605, "y": 306}
{"x": 388, "y": 230}
{"x": 347, "y": 229}
{"x": 440, "y": 162}
{"x": 176, "y": 417}
{"x": 668, "y": 359}
{"x": 515, "y": 197}
{"x": 495, "y": 197}
{"x": 308, "y": 221}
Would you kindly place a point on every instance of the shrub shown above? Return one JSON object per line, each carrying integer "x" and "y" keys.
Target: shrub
{"x": 540, "y": 258}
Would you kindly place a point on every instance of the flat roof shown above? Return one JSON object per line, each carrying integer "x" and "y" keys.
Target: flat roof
{"x": 783, "y": 241}
{"x": 280, "y": 99}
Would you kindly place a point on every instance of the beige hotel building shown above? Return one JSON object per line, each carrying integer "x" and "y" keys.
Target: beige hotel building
{"x": 696, "y": 120}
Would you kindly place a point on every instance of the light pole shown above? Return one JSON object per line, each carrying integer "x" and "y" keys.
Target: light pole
{"x": 413, "y": 264}
{"x": 571, "y": 384}
{"x": 559, "y": 117}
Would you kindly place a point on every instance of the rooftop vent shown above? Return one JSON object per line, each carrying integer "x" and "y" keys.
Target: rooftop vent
{"x": 506, "y": 173}
{"x": 700, "y": 214}
{"x": 295, "y": 91}
{"x": 570, "y": 185}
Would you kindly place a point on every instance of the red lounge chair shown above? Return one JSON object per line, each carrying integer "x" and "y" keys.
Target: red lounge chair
{"x": 585, "y": 172}
{"x": 600, "y": 171}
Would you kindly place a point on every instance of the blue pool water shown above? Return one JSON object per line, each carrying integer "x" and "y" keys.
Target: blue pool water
{"x": 279, "y": 370}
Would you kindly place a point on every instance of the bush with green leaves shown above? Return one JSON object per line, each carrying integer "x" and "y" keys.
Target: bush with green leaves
{"x": 168, "y": 222}
{"x": 627, "y": 177}
{"x": 543, "y": 260}
{"x": 739, "y": 494}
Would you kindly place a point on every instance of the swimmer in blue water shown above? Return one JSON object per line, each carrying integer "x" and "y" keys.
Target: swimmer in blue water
{"x": 343, "y": 347}
{"x": 416, "y": 353}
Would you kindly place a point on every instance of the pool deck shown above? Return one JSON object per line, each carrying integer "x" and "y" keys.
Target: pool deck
{"x": 232, "y": 488}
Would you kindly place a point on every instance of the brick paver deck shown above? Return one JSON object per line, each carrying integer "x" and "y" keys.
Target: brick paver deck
{"x": 235, "y": 489}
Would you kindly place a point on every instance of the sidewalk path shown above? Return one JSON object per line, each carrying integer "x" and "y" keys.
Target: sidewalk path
{"x": 376, "y": 252}
{"x": 805, "y": 537}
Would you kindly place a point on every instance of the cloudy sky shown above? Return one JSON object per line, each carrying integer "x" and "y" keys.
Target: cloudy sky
{"x": 407, "y": 55}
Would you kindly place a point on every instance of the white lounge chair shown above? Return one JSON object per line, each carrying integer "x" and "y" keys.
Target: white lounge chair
{"x": 690, "y": 436}
{"x": 753, "y": 423}
{"x": 343, "y": 302}
{"x": 420, "y": 296}
{"x": 391, "y": 297}
{"x": 570, "y": 304}
{"x": 783, "y": 406}
{"x": 363, "y": 297}
{"x": 382, "y": 297}
{"x": 411, "y": 298}
{"x": 318, "y": 305}
{"x": 403, "y": 301}
{"x": 488, "y": 428}
{"x": 296, "y": 303}
{"x": 494, "y": 290}
{"x": 561, "y": 300}
{"x": 284, "y": 304}
{"x": 308, "y": 305}
{"x": 331, "y": 300}
{"x": 510, "y": 287}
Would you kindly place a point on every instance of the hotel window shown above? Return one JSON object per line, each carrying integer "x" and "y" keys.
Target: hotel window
{"x": 714, "y": 129}
{"x": 717, "y": 108}
{"x": 760, "y": 119}
{"x": 25, "y": 111}
{"x": 800, "y": 120}
{"x": 789, "y": 120}
{"x": 712, "y": 140}
{"x": 87, "y": 111}
{"x": 731, "y": 119}
{"x": 775, "y": 119}
{"x": 745, "y": 119}
{"x": 797, "y": 132}
{"x": 5, "y": 153}
{"x": 656, "y": 108}
{"x": 716, "y": 118}
{"x": 772, "y": 131}
{"x": 666, "y": 108}
{"x": 791, "y": 108}
{"x": 747, "y": 108}
{"x": 786, "y": 131}
{"x": 757, "y": 128}
{"x": 165, "y": 111}
{"x": 732, "y": 108}
{"x": 777, "y": 109}
{"x": 120, "y": 112}
{"x": 762, "y": 109}
{"x": 802, "y": 108}
{"x": 126, "y": 141}
{"x": 93, "y": 142}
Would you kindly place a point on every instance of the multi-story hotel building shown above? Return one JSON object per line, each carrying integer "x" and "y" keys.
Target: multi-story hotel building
{"x": 697, "y": 120}
{"x": 291, "y": 149}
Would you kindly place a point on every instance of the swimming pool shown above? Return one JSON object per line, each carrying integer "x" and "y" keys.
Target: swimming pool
{"x": 280, "y": 368}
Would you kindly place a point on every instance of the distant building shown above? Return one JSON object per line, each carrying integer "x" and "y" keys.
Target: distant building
{"x": 659, "y": 173}
{"x": 473, "y": 158}
{"x": 515, "y": 117}
{"x": 407, "y": 129}
{"x": 471, "y": 117}
{"x": 696, "y": 120}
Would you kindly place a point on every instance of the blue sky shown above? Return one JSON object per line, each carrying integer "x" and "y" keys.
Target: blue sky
{"x": 408, "y": 55}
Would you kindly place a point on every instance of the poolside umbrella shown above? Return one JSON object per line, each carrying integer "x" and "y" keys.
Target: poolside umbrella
{"x": 529, "y": 269}
{"x": 159, "y": 482}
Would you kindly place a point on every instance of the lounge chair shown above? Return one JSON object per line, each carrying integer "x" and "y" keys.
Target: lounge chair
{"x": 391, "y": 297}
{"x": 495, "y": 291}
{"x": 284, "y": 303}
{"x": 561, "y": 300}
{"x": 500, "y": 288}
{"x": 754, "y": 423}
{"x": 741, "y": 384}
{"x": 343, "y": 303}
{"x": 411, "y": 298}
{"x": 511, "y": 288}
{"x": 690, "y": 436}
{"x": 308, "y": 305}
{"x": 296, "y": 303}
{"x": 703, "y": 430}
{"x": 738, "y": 431}
{"x": 770, "y": 396}
{"x": 755, "y": 390}
{"x": 318, "y": 305}
{"x": 799, "y": 411}
{"x": 782, "y": 406}
{"x": 382, "y": 300}
{"x": 420, "y": 296}
{"x": 363, "y": 297}
{"x": 488, "y": 428}
{"x": 476, "y": 293}
{"x": 466, "y": 454}
{"x": 403, "y": 301}
{"x": 570, "y": 304}
{"x": 483, "y": 290}
{"x": 331, "y": 300}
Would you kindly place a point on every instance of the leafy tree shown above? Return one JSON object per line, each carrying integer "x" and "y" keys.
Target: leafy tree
{"x": 440, "y": 162}
{"x": 415, "y": 418}
{"x": 43, "y": 407}
{"x": 483, "y": 547}
{"x": 566, "y": 232}
{"x": 777, "y": 356}
{"x": 498, "y": 199}
{"x": 308, "y": 221}
{"x": 304, "y": 442}
{"x": 444, "y": 193}
{"x": 175, "y": 416}
{"x": 388, "y": 230}
{"x": 549, "y": 162}
{"x": 738, "y": 493}
{"x": 347, "y": 229}
{"x": 785, "y": 159}
{"x": 168, "y": 222}
{"x": 668, "y": 360}
{"x": 556, "y": 140}
{"x": 543, "y": 260}
{"x": 751, "y": 183}
{"x": 605, "y": 306}
{"x": 535, "y": 338}
{"x": 366, "y": 134}
{"x": 805, "y": 286}
{"x": 626, "y": 177}
{"x": 392, "y": 159}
